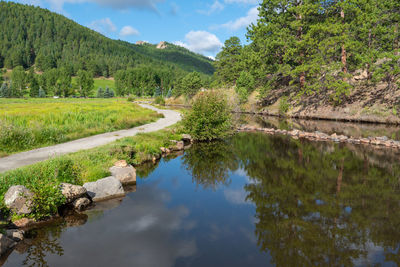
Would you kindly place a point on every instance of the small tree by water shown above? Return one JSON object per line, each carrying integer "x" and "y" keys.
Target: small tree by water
{"x": 209, "y": 118}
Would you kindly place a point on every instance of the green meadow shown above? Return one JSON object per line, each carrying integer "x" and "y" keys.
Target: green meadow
{"x": 32, "y": 123}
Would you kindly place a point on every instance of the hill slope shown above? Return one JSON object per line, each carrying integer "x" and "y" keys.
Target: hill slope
{"x": 34, "y": 36}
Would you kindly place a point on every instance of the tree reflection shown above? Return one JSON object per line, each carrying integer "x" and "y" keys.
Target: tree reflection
{"x": 317, "y": 204}
{"x": 210, "y": 163}
{"x": 41, "y": 243}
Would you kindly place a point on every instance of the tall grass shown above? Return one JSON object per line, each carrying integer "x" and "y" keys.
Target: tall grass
{"x": 33, "y": 123}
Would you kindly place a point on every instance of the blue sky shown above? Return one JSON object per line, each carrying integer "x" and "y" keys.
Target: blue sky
{"x": 201, "y": 26}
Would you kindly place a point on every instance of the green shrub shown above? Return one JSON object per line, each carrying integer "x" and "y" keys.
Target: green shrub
{"x": 283, "y": 105}
{"x": 244, "y": 85}
{"x": 159, "y": 100}
{"x": 131, "y": 98}
{"x": 209, "y": 118}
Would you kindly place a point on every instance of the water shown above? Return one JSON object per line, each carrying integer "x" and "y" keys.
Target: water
{"x": 357, "y": 130}
{"x": 252, "y": 200}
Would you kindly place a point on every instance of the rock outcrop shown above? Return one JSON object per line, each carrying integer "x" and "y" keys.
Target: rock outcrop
{"x": 106, "y": 188}
{"x": 19, "y": 199}
{"x": 162, "y": 45}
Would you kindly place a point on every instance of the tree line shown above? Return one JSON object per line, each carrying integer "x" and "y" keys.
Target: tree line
{"x": 316, "y": 46}
{"x": 54, "y": 82}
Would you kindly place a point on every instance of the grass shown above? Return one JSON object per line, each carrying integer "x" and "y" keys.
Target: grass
{"x": 84, "y": 166}
{"x": 31, "y": 123}
{"x": 99, "y": 82}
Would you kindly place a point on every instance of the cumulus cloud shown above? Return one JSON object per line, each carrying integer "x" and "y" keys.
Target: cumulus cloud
{"x": 242, "y": 22}
{"x": 215, "y": 7}
{"x": 103, "y": 26}
{"x": 201, "y": 42}
{"x": 128, "y": 31}
{"x": 116, "y": 4}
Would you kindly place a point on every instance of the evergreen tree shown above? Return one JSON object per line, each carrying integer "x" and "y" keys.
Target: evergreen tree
{"x": 227, "y": 62}
{"x": 64, "y": 82}
{"x": 85, "y": 83}
{"x": 100, "y": 93}
{"x": 34, "y": 87}
{"x": 42, "y": 93}
{"x": 19, "y": 81}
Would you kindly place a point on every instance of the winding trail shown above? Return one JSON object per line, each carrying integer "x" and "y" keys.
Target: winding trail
{"x": 29, "y": 157}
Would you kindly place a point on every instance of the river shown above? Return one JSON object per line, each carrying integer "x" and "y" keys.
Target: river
{"x": 250, "y": 200}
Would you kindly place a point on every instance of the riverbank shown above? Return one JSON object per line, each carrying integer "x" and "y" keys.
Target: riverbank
{"x": 75, "y": 180}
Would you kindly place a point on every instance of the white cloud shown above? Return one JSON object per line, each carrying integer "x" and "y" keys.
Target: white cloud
{"x": 215, "y": 7}
{"x": 235, "y": 196}
{"x": 116, "y": 4}
{"x": 128, "y": 31}
{"x": 103, "y": 26}
{"x": 201, "y": 42}
{"x": 242, "y": 22}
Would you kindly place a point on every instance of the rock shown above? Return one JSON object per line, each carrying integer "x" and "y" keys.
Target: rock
{"x": 163, "y": 150}
{"x": 72, "y": 192}
{"x": 180, "y": 145}
{"x": 126, "y": 175}
{"x": 121, "y": 163}
{"x": 187, "y": 138}
{"x": 382, "y": 138}
{"x": 81, "y": 203}
{"x": 106, "y": 188}
{"x": 19, "y": 199}
{"x": 24, "y": 222}
{"x": 16, "y": 235}
{"x": 6, "y": 244}
{"x": 162, "y": 45}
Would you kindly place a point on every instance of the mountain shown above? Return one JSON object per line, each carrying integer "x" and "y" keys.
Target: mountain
{"x": 35, "y": 36}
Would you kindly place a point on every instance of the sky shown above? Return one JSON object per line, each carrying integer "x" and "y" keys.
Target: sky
{"x": 200, "y": 26}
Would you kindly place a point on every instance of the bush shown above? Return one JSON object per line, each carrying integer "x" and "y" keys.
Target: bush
{"x": 131, "y": 98}
{"x": 159, "y": 101}
{"x": 209, "y": 118}
{"x": 244, "y": 85}
{"x": 283, "y": 105}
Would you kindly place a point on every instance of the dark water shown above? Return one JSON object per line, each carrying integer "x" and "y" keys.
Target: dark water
{"x": 252, "y": 200}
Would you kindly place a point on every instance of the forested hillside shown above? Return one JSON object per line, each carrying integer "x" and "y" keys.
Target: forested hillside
{"x": 324, "y": 49}
{"x": 35, "y": 36}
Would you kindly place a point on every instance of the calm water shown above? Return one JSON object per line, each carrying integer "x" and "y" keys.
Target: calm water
{"x": 253, "y": 200}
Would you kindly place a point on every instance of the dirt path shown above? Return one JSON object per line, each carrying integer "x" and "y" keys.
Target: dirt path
{"x": 29, "y": 157}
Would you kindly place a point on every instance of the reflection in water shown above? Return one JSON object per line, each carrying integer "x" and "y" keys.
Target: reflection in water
{"x": 251, "y": 200}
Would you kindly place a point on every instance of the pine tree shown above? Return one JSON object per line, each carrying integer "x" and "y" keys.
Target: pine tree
{"x": 100, "y": 93}
{"x": 18, "y": 77}
{"x": 227, "y": 62}
{"x": 42, "y": 93}
{"x": 85, "y": 83}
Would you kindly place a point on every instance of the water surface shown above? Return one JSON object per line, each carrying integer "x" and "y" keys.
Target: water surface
{"x": 251, "y": 200}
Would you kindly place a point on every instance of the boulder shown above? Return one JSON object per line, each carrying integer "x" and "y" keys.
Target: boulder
{"x": 19, "y": 199}
{"x": 187, "y": 138}
{"x": 24, "y": 222}
{"x": 179, "y": 145}
{"x": 6, "y": 244}
{"x": 72, "y": 192}
{"x": 16, "y": 235}
{"x": 121, "y": 163}
{"x": 106, "y": 188}
{"x": 81, "y": 203}
{"x": 126, "y": 175}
